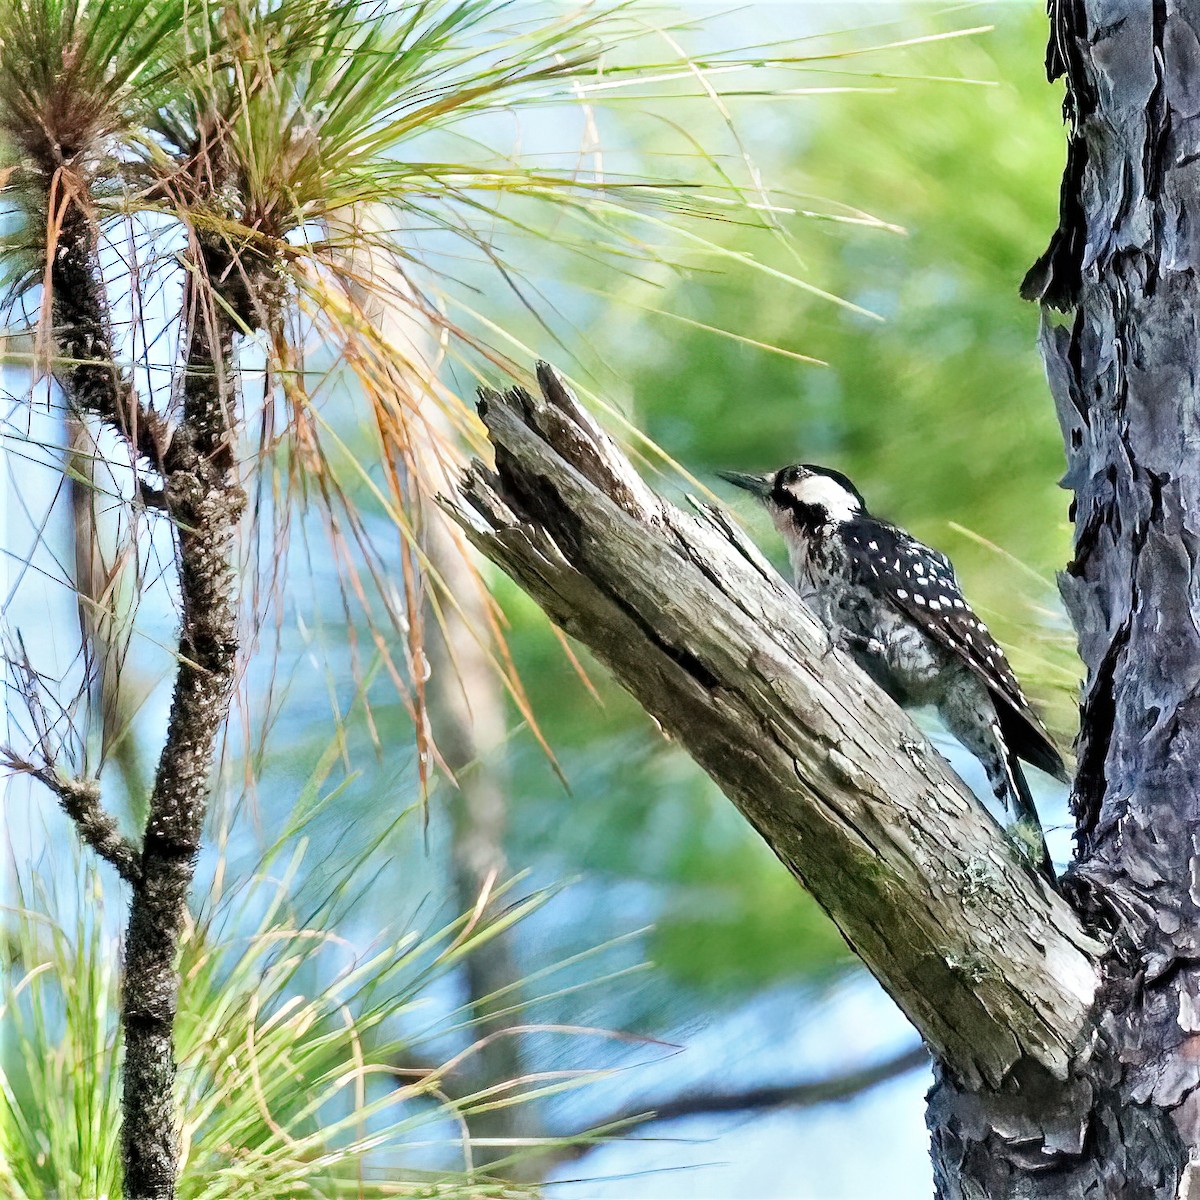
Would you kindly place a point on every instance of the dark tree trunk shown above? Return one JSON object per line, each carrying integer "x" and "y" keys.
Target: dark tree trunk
{"x": 195, "y": 458}
{"x": 1124, "y": 372}
{"x": 205, "y": 499}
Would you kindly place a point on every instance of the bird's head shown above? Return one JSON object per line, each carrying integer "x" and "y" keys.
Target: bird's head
{"x": 803, "y": 499}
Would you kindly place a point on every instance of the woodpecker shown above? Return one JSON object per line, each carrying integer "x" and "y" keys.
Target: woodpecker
{"x": 895, "y": 605}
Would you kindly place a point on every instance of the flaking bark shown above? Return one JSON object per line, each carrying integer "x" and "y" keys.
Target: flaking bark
{"x": 1125, "y": 373}
{"x": 988, "y": 961}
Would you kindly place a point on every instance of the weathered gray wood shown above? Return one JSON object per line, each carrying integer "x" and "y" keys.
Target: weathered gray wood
{"x": 989, "y": 963}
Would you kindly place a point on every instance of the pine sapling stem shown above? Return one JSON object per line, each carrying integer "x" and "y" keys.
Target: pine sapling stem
{"x": 205, "y": 499}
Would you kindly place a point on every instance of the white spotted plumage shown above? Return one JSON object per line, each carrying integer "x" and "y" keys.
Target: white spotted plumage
{"x": 895, "y": 604}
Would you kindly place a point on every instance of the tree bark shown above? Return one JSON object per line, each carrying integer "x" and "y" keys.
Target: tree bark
{"x": 205, "y": 499}
{"x": 1124, "y": 377}
{"x": 85, "y": 365}
{"x": 990, "y": 963}
{"x": 196, "y": 461}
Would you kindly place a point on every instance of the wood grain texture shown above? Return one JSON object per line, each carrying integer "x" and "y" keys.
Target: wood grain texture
{"x": 991, "y": 965}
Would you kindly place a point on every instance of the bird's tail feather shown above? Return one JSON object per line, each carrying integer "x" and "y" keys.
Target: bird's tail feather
{"x": 1031, "y": 826}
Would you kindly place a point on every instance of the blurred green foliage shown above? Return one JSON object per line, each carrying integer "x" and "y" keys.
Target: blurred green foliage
{"x": 940, "y": 412}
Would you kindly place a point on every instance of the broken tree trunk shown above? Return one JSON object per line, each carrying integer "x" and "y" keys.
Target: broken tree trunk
{"x": 990, "y": 964}
{"x": 993, "y": 967}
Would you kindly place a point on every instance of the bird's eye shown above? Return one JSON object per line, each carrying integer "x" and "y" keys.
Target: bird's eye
{"x": 791, "y": 475}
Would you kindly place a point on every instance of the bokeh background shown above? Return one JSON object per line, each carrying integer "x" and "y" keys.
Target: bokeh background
{"x": 664, "y": 917}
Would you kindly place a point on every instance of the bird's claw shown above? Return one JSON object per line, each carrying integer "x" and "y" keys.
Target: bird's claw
{"x": 861, "y": 642}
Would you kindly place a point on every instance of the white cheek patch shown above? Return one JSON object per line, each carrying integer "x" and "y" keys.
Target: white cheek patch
{"x": 830, "y": 495}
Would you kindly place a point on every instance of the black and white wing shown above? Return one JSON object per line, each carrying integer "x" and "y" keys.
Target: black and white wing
{"x": 921, "y": 582}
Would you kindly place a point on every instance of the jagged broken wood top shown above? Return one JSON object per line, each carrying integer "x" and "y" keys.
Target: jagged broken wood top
{"x": 989, "y": 963}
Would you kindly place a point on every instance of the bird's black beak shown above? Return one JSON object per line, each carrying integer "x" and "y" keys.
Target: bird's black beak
{"x": 760, "y": 485}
